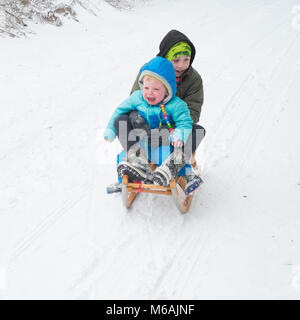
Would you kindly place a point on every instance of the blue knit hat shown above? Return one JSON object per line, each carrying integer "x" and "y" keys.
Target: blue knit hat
{"x": 163, "y": 70}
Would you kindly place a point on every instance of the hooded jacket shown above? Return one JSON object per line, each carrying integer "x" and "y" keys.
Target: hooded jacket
{"x": 189, "y": 86}
{"x": 176, "y": 109}
{"x": 161, "y": 69}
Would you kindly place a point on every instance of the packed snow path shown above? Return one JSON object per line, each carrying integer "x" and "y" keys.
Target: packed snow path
{"x": 61, "y": 236}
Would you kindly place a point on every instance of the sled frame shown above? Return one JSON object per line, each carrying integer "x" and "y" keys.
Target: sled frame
{"x": 130, "y": 190}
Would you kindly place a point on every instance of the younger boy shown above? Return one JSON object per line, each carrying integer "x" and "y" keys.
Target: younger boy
{"x": 157, "y": 104}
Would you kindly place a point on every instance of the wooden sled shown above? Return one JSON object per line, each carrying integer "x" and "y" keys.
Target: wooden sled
{"x": 175, "y": 189}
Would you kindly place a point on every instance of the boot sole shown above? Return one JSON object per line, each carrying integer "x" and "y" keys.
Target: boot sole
{"x": 161, "y": 178}
{"x": 193, "y": 187}
{"x": 134, "y": 174}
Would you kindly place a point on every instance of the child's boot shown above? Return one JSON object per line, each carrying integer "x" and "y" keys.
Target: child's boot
{"x": 137, "y": 166}
{"x": 169, "y": 168}
{"x": 192, "y": 182}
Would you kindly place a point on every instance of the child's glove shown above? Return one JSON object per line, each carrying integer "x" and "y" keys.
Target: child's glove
{"x": 109, "y": 135}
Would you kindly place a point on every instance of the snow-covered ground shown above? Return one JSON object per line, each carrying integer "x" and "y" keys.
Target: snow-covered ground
{"x": 63, "y": 237}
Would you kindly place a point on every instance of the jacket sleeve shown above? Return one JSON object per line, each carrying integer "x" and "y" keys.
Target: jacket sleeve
{"x": 183, "y": 123}
{"x": 126, "y": 106}
{"x": 194, "y": 98}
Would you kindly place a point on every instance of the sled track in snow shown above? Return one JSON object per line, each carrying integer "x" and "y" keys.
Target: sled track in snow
{"x": 247, "y": 51}
{"x": 255, "y": 108}
{"x": 263, "y": 113}
{"x": 221, "y": 120}
{"x": 30, "y": 239}
{"x": 177, "y": 273}
{"x": 92, "y": 272}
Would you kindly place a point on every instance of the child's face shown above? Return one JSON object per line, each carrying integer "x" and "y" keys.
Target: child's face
{"x": 180, "y": 64}
{"x": 154, "y": 90}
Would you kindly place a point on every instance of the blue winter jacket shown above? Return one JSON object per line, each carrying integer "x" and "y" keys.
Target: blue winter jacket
{"x": 176, "y": 109}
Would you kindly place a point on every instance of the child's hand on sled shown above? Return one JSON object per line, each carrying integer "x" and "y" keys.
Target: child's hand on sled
{"x": 109, "y": 135}
{"x": 177, "y": 144}
{"x": 175, "y": 140}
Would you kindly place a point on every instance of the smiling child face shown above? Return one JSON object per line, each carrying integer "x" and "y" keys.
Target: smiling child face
{"x": 154, "y": 90}
{"x": 180, "y": 64}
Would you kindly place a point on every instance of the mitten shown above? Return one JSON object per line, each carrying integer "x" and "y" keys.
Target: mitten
{"x": 109, "y": 135}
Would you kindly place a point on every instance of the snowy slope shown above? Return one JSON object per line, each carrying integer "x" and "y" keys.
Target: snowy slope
{"x": 62, "y": 237}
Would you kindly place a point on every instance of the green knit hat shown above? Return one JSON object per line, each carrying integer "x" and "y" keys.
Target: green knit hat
{"x": 179, "y": 49}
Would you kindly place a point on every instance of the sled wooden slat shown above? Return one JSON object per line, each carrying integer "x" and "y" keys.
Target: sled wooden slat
{"x": 147, "y": 186}
{"x": 131, "y": 190}
{"x": 167, "y": 192}
{"x": 194, "y": 164}
{"x": 127, "y": 197}
{"x": 182, "y": 205}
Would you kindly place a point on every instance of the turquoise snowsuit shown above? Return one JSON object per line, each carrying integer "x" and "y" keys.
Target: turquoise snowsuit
{"x": 176, "y": 109}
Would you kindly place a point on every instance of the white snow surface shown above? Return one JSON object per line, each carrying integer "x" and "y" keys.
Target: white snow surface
{"x": 63, "y": 237}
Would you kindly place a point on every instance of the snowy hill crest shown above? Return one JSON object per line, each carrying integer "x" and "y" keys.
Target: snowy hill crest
{"x": 17, "y": 15}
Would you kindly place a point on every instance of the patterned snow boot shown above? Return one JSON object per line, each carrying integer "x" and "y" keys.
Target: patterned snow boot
{"x": 192, "y": 182}
{"x": 114, "y": 188}
{"x": 137, "y": 165}
{"x": 169, "y": 168}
